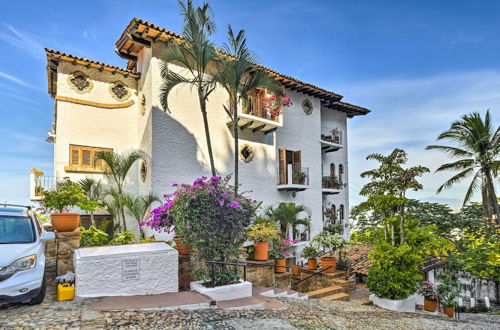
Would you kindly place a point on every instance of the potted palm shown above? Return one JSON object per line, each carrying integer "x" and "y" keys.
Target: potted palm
{"x": 60, "y": 200}
{"x": 299, "y": 177}
{"x": 330, "y": 243}
{"x": 431, "y": 297}
{"x": 311, "y": 253}
{"x": 261, "y": 234}
{"x": 448, "y": 293}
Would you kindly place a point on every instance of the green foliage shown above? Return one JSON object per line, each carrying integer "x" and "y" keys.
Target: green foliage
{"x": 311, "y": 252}
{"x": 263, "y": 232}
{"x": 288, "y": 215}
{"x": 395, "y": 273}
{"x": 448, "y": 291}
{"x": 94, "y": 236}
{"x": 329, "y": 242}
{"x": 67, "y": 194}
{"x": 125, "y": 237}
{"x": 344, "y": 263}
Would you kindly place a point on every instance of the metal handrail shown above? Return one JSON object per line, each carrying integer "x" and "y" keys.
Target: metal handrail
{"x": 311, "y": 276}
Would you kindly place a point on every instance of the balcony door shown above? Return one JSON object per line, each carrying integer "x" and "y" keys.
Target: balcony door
{"x": 288, "y": 157}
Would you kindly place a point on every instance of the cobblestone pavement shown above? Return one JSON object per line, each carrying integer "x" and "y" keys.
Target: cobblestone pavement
{"x": 312, "y": 314}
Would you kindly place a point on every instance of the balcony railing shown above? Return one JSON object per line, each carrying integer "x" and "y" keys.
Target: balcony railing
{"x": 295, "y": 179}
{"x": 253, "y": 116}
{"x": 331, "y": 185}
{"x": 332, "y": 141}
{"x": 255, "y": 107}
{"x": 39, "y": 184}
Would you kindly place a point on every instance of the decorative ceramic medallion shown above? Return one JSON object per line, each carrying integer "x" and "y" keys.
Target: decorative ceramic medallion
{"x": 144, "y": 171}
{"x": 142, "y": 107}
{"x": 119, "y": 91}
{"x": 80, "y": 82}
{"x": 246, "y": 153}
{"x": 307, "y": 106}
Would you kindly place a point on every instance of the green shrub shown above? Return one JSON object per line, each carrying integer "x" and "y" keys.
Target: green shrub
{"x": 125, "y": 237}
{"x": 66, "y": 195}
{"x": 395, "y": 273}
{"x": 94, "y": 236}
{"x": 311, "y": 252}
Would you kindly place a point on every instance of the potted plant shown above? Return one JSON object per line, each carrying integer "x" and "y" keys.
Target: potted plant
{"x": 330, "y": 243}
{"x": 261, "y": 234}
{"x": 431, "y": 297}
{"x": 448, "y": 292}
{"x": 311, "y": 253}
{"x": 281, "y": 250}
{"x": 59, "y": 200}
{"x": 299, "y": 177}
{"x": 182, "y": 249}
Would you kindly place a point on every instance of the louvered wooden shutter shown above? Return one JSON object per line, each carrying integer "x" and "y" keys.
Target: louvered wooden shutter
{"x": 297, "y": 167}
{"x": 282, "y": 166}
{"x": 74, "y": 156}
{"x": 87, "y": 157}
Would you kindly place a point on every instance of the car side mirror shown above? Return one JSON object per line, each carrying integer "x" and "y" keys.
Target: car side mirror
{"x": 47, "y": 236}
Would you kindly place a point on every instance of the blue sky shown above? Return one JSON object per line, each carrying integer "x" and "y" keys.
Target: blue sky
{"x": 417, "y": 64}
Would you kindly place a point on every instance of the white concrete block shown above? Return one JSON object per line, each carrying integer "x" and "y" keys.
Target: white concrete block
{"x": 224, "y": 292}
{"x": 402, "y": 305}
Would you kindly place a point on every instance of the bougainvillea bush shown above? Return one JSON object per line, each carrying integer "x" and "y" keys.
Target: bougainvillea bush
{"x": 210, "y": 217}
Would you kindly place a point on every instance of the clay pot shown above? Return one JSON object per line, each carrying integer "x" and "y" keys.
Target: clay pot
{"x": 450, "y": 311}
{"x": 296, "y": 270}
{"x": 329, "y": 262}
{"x": 65, "y": 222}
{"x": 182, "y": 249}
{"x": 261, "y": 252}
{"x": 431, "y": 305}
{"x": 312, "y": 264}
{"x": 280, "y": 262}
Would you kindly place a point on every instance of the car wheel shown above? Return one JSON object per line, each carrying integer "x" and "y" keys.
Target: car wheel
{"x": 38, "y": 299}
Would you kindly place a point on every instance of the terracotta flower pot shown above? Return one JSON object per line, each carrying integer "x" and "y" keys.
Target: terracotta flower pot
{"x": 261, "y": 252}
{"x": 279, "y": 262}
{"x": 65, "y": 222}
{"x": 431, "y": 305}
{"x": 312, "y": 264}
{"x": 450, "y": 311}
{"x": 183, "y": 249}
{"x": 296, "y": 270}
{"x": 329, "y": 262}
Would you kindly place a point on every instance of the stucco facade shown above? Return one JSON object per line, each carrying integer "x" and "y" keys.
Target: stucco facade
{"x": 174, "y": 138}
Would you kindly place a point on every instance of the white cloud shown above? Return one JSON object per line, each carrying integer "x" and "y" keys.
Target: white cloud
{"x": 17, "y": 80}
{"x": 22, "y": 41}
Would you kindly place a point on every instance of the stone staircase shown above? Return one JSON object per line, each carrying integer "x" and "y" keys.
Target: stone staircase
{"x": 333, "y": 287}
{"x": 330, "y": 293}
{"x": 278, "y": 293}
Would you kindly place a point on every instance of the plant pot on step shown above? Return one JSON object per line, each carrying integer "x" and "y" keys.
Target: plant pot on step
{"x": 279, "y": 262}
{"x": 261, "y": 252}
{"x": 431, "y": 305}
{"x": 296, "y": 270}
{"x": 65, "y": 222}
{"x": 312, "y": 264}
{"x": 330, "y": 263}
{"x": 450, "y": 311}
{"x": 183, "y": 249}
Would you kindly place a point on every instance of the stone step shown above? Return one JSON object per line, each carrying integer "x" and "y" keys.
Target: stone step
{"x": 337, "y": 297}
{"x": 324, "y": 292}
{"x": 242, "y": 304}
{"x": 347, "y": 285}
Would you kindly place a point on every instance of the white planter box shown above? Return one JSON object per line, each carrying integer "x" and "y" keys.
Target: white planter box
{"x": 224, "y": 292}
{"x": 403, "y": 305}
{"x": 126, "y": 270}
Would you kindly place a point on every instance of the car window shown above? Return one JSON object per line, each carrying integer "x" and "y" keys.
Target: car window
{"x": 16, "y": 230}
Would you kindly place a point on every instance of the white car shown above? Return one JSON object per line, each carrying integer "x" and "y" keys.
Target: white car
{"x": 22, "y": 255}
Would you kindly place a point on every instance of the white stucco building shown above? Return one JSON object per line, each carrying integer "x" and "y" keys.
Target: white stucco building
{"x": 98, "y": 106}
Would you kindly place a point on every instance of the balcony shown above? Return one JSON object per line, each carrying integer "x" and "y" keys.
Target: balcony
{"x": 253, "y": 116}
{"x": 40, "y": 183}
{"x": 332, "y": 141}
{"x": 331, "y": 185}
{"x": 294, "y": 180}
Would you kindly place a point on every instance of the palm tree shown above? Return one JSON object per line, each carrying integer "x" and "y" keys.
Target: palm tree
{"x": 94, "y": 191}
{"x": 238, "y": 74}
{"x": 118, "y": 166}
{"x": 477, "y": 151}
{"x": 196, "y": 55}
{"x": 287, "y": 216}
{"x": 138, "y": 206}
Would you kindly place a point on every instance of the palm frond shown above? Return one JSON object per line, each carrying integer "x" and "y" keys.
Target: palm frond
{"x": 455, "y": 179}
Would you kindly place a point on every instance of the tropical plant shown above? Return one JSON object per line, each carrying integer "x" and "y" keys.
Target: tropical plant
{"x": 138, "y": 207}
{"x": 299, "y": 176}
{"x": 67, "y": 194}
{"x": 427, "y": 290}
{"x": 344, "y": 263}
{"x": 238, "y": 74}
{"x": 118, "y": 166}
{"x": 448, "y": 290}
{"x": 210, "y": 217}
{"x": 94, "y": 191}
{"x": 476, "y": 150}
{"x": 263, "y": 232}
{"x": 287, "y": 215}
{"x": 311, "y": 252}
{"x": 125, "y": 237}
{"x": 94, "y": 236}
{"x": 195, "y": 54}
{"x": 329, "y": 242}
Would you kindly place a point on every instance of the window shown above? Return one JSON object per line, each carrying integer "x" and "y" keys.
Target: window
{"x": 84, "y": 159}
{"x": 341, "y": 212}
{"x": 341, "y": 173}
{"x": 288, "y": 157}
{"x": 16, "y": 230}
{"x": 332, "y": 169}
{"x": 254, "y": 104}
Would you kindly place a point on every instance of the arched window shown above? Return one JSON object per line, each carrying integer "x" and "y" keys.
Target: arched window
{"x": 332, "y": 169}
{"x": 341, "y": 173}
{"x": 341, "y": 212}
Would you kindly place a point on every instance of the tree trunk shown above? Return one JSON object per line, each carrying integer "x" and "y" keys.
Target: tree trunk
{"x": 402, "y": 225}
{"x": 491, "y": 205}
{"x": 92, "y": 221}
{"x": 203, "y": 107}
{"x": 393, "y": 239}
{"x": 123, "y": 218}
{"x": 236, "y": 145}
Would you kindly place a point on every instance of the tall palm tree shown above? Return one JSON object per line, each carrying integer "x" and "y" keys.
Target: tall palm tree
{"x": 196, "y": 55}
{"x": 94, "y": 191}
{"x": 477, "y": 150}
{"x": 287, "y": 216}
{"x": 118, "y": 166}
{"x": 138, "y": 206}
{"x": 238, "y": 74}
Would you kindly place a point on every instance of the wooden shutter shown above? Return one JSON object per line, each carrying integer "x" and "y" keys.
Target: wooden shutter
{"x": 296, "y": 164}
{"x": 74, "y": 156}
{"x": 87, "y": 156}
{"x": 282, "y": 166}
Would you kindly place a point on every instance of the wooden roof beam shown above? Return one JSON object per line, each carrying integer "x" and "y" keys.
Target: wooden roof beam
{"x": 141, "y": 41}
{"x": 258, "y": 128}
